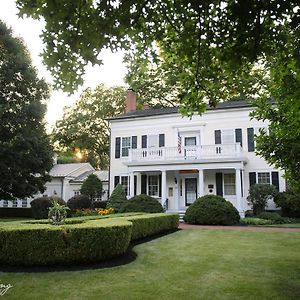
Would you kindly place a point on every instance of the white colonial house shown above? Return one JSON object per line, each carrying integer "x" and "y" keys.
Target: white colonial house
{"x": 66, "y": 181}
{"x": 177, "y": 159}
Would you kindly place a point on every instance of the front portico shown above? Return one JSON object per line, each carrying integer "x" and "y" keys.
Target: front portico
{"x": 177, "y": 185}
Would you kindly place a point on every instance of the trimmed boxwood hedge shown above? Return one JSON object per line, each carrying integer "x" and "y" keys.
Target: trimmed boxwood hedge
{"x": 38, "y": 244}
{"x": 16, "y": 212}
{"x": 147, "y": 225}
{"x": 30, "y": 243}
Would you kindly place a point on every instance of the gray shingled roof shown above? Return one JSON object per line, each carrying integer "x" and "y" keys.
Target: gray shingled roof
{"x": 62, "y": 170}
{"x": 102, "y": 175}
{"x": 174, "y": 110}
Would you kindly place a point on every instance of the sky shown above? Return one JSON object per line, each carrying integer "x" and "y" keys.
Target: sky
{"x": 111, "y": 73}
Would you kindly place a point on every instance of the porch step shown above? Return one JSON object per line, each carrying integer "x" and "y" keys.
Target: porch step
{"x": 181, "y": 214}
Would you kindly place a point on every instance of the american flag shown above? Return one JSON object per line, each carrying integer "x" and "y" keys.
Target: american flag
{"x": 179, "y": 142}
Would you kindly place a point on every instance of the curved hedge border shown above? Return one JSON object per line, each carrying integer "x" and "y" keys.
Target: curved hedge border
{"x": 147, "y": 225}
{"x": 27, "y": 243}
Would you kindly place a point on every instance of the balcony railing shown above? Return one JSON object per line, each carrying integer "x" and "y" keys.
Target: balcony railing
{"x": 187, "y": 152}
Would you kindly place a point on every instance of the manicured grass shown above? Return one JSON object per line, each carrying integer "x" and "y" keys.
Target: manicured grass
{"x": 4, "y": 219}
{"x": 187, "y": 264}
{"x": 290, "y": 225}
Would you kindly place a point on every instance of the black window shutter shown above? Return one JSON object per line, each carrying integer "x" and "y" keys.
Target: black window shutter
{"x": 275, "y": 180}
{"x": 144, "y": 184}
{"x": 134, "y": 142}
{"x": 144, "y": 141}
{"x": 135, "y": 184}
{"x": 117, "y": 180}
{"x": 250, "y": 133}
{"x": 118, "y": 145}
{"x": 161, "y": 140}
{"x": 238, "y": 136}
{"x": 159, "y": 185}
{"x": 218, "y": 139}
{"x": 219, "y": 184}
{"x": 252, "y": 178}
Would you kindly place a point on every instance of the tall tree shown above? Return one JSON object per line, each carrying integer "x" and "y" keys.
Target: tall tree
{"x": 84, "y": 128}
{"x": 25, "y": 151}
{"x": 219, "y": 49}
{"x": 92, "y": 187}
{"x": 212, "y": 44}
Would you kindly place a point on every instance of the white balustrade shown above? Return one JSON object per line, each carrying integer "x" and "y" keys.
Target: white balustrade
{"x": 185, "y": 153}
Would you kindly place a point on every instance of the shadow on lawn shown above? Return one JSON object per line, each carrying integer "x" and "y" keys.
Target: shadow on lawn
{"x": 128, "y": 257}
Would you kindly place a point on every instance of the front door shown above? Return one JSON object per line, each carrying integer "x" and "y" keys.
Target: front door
{"x": 190, "y": 190}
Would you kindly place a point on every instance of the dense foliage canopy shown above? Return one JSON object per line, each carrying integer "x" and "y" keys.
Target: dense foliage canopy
{"x": 189, "y": 52}
{"x": 84, "y": 126}
{"x": 25, "y": 151}
{"x": 214, "y": 47}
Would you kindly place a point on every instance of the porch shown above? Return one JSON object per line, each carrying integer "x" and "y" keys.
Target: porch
{"x": 177, "y": 187}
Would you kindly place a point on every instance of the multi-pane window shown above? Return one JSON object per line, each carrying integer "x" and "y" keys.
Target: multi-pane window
{"x": 153, "y": 185}
{"x": 263, "y": 177}
{"x": 228, "y": 136}
{"x": 125, "y": 184}
{"x": 5, "y": 203}
{"x": 15, "y": 203}
{"x": 229, "y": 184}
{"x": 24, "y": 202}
{"x": 153, "y": 141}
{"x": 126, "y": 145}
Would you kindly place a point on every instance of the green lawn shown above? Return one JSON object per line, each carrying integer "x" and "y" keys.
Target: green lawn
{"x": 288, "y": 225}
{"x": 188, "y": 264}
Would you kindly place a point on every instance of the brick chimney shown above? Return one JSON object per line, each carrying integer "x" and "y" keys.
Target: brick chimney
{"x": 130, "y": 101}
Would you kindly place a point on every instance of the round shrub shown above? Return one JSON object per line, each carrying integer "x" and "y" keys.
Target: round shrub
{"x": 40, "y": 206}
{"x": 142, "y": 203}
{"x": 289, "y": 202}
{"x": 79, "y": 202}
{"x": 212, "y": 210}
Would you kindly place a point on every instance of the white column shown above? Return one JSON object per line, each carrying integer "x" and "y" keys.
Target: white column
{"x": 177, "y": 193}
{"x": 201, "y": 183}
{"x": 138, "y": 183}
{"x": 238, "y": 190}
{"x": 163, "y": 187}
{"x": 131, "y": 188}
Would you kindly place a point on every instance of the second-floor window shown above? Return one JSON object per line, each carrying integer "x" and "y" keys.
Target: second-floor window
{"x": 125, "y": 145}
{"x": 229, "y": 136}
{"x": 251, "y": 134}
